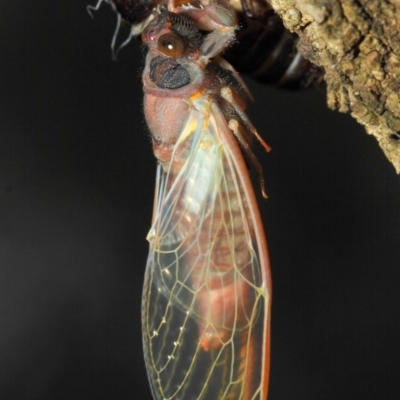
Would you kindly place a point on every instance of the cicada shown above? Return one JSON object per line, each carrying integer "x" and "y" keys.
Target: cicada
{"x": 207, "y": 290}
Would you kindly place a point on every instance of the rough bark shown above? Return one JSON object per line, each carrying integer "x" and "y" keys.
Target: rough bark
{"x": 357, "y": 42}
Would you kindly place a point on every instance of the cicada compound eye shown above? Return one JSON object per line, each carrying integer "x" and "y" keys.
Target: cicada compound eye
{"x": 171, "y": 44}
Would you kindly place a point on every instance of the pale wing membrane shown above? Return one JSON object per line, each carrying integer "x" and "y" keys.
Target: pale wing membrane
{"x": 203, "y": 302}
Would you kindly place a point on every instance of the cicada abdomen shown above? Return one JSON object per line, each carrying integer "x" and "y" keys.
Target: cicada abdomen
{"x": 207, "y": 292}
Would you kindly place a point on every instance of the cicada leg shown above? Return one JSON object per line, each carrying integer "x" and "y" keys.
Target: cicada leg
{"x": 226, "y": 93}
{"x": 239, "y": 132}
{"x": 228, "y": 67}
{"x": 90, "y": 8}
{"x": 216, "y": 16}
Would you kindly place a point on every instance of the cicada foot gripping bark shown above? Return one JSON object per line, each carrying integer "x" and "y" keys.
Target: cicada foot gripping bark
{"x": 207, "y": 291}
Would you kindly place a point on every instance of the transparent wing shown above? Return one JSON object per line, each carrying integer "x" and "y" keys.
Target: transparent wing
{"x": 206, "y": 300}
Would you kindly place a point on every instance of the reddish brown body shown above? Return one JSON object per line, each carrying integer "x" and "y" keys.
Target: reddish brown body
{"x": 207, "y": 291}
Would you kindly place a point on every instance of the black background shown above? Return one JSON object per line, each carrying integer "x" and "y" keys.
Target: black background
{"x": 76, "y": 192}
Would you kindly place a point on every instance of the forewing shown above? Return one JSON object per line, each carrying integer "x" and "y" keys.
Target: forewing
{"x": 205, "y": 299}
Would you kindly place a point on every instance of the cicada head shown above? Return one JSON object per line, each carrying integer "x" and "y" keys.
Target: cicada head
{"x": 174, "y": 58}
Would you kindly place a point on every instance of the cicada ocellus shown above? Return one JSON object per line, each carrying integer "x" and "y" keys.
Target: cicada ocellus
{"x": 207, "y": 291}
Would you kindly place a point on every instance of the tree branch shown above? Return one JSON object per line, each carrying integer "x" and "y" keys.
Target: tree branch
{"x": 358, "y": 44}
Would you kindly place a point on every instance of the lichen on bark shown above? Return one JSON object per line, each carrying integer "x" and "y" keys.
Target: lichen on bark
{"x": 357, "y": 42}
